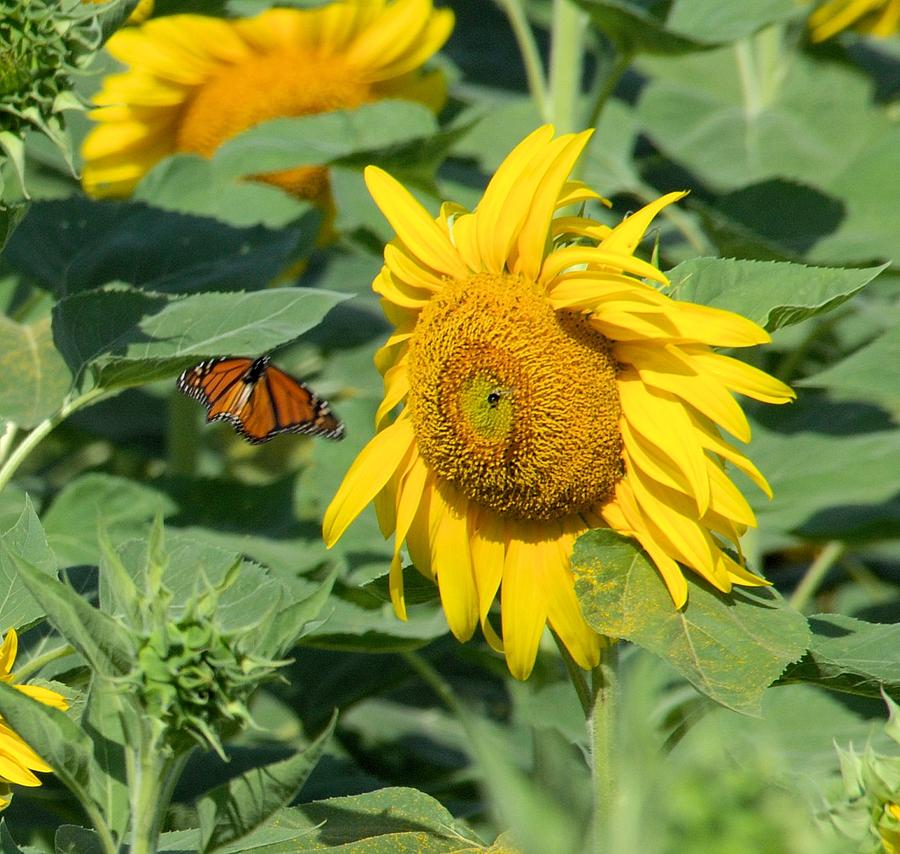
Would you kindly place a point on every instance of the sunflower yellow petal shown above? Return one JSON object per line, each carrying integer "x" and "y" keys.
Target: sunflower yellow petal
{"x": 727, "y": 499}
{"x": 531, "y": 240}
{"x": 396, "y": 387}
{"x": 366, "y": 477}
{"x": 598, "y": 258}
{"x": 418, "y": 537}
{"x": 429, "y": 245}
{"x": 452, "y": 564}
{"x": 564, "y": 613}
{"x": 663, "y": 422}
{"x": 488, "y": 556}
{"x": 44, "y": 695}
{"x": 523, "y": 605}
{"x": 625, "y": 237}
{"x": 743, "y": 378}
{"x": 626, "y": 504}
{"x": 497, "y": 220}
{"x": 8, "y": 651}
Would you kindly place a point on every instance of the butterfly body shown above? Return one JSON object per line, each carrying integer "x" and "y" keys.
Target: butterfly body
{"x": 258, "y": 399}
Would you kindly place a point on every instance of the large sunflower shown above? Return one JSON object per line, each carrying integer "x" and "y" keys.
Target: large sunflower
{"x": 877, "y": 17}
{"x": 195, "y": 81}
{"x": 546, "y": 390}
{"x": 17, "y": 759}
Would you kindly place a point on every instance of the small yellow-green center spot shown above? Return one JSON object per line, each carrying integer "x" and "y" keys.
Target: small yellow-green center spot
{"x": 513, "y": 403}
{"x": 488, "y": 407}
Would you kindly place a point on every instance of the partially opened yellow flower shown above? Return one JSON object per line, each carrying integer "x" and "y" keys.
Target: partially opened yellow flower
{"x": 876, "y": 17}
{"x": 195, "y": 81}
{"x": 546, "y": 390}
{"x": 17, "y": 759}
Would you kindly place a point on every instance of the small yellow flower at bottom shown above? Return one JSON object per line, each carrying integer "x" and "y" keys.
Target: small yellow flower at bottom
{"x": 17, "y": 760}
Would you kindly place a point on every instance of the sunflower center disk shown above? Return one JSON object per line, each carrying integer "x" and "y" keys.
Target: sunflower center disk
{"x": 513, "y": 403}
{"x": 265, "y": 87}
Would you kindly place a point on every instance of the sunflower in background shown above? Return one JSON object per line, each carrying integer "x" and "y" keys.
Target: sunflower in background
{"x": 546, "y": 389}
{"x": 194, "y": 82}
{"x": 17, "y": 760}
{"x": 875, "y": 17}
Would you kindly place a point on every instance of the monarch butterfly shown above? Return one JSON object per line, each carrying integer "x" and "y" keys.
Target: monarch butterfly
{"x": 260, "y": 400}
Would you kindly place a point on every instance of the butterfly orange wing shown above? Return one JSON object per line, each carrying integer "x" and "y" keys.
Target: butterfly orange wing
{"x": 259, "y": 400}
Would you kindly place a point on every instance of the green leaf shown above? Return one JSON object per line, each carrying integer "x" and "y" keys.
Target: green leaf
{"x": 77, "y": 244}
{"x": 288, "y": 624}
{"x": 731, "y": 647}
{"x": 121, "y": 506}
{"x": 10, "y": 217}
{"x": 826, "y": 463}
{"x": 232, "y": 811}
{"x": 683, "y": 24}
{"x": 72, "y": 839}
{"x": 323, "y": 138}
{"x": 744, "y": 115}
{"x": 189, "y": 184}
{"x": 103, "y": 721}
{"x": 100, "y": 639}
{"x": 862, "y": 375}
{"x": 26, "y": 539}
{"x": 851, "y": 656}
{"x": 34, "y": 379}
{"x": 129, "y": 338}
{"x": 773, "y": 294}
{"x": 7, "y": 843}
{"x": 53, "y": 736}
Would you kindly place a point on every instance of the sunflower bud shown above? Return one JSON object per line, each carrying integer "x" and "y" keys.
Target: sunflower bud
{"x": 194, "y": 676}
{"x": 869, "y": 813}
{"x": 42, "y": 43}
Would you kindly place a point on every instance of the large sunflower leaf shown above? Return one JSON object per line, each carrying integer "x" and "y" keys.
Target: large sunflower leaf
{"x": 826, "y": 462}
{"x": 729, "y": 646}
{"x": 851, "y": 656}
{"x": 862, "y": 374}
{"x": 26, "y": 539}
{"x": 683, "y": 24}
{"x": 745, "y": 115}
{"x": 771, "y": 293}
{"x": 74, "y": 245}
{"x": 34, "y": 379}
{"x": 235, "y": 809}
{"x": 323, "y": 138}
{"x": 127, "y": 337}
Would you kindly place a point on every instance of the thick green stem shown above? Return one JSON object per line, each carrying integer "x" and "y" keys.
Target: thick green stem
{"x": 566, "y": 64}
{"x": 34, "y": 438}
{"x": 151, "y": 773}
{"x": 7, "y": 439}
{"x": 608, "y": 79}
{"x": 576, "y": 675}
{"x": 816, "y": 572}
{"x": 531, "y": 57}
{"x": 604, "y": 741}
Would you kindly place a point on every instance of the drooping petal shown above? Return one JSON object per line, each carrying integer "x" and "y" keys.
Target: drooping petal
{"x": 368, "y": 474}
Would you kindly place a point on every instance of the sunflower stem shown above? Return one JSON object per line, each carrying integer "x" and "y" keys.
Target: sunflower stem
{"x": 816, "y": 572}
{"x": 576, "y": 675}
{"x": 566, "y": 64}
{"x": 34, "y": 438}
{"x": 603, "y": 740}
{"x": 531, "y": 57}
{"x": 7, "y": 439}
{"x": 610, "y": 73}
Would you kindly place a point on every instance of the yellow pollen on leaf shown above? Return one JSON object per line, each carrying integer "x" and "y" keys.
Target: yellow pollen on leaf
{"x": 287, "y": 83}
{"x": 513, "y": 403}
